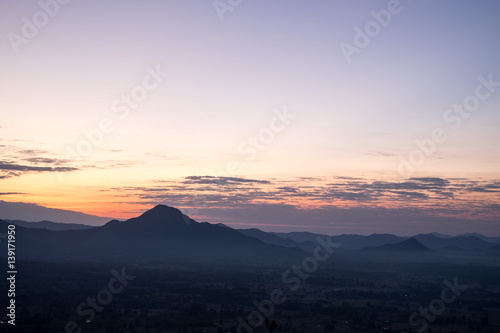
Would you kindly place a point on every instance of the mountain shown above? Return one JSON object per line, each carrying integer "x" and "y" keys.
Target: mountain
{"x": 451, "y": 249}
{"x": 271, "y": 238}
{"x": 469, "y": 243}
{"x": 433, "y": 241}
{"x": 49, "y": 225}
{"x": 33, "y": 212}
{"x": 482, "y": 237}
{"x": 347, "y": 242}
{"x": 299, "y": 236}
{"x": 357, "y": 242}
{"x": 162, "y": 234}
{"x": 411, "y": 245}
{"x": 437, "y": 234}
{"x": 494, "y": 250}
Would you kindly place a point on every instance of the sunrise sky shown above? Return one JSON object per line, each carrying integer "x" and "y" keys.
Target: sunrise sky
{"x": 326, "y": 116}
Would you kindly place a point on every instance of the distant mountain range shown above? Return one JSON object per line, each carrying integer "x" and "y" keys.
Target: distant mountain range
{"x": 482, "y": 237}
{"x": 432, "y": 241}
{"x": 164, "y": 234}
{"x": 33, "y": 212}
{"x": 411, "y": 245}
{"x": 56, "y": 226}
{"x": 161, "y": 234}
{"x": 470, "y": 243}
{"x": 271, "y": 238}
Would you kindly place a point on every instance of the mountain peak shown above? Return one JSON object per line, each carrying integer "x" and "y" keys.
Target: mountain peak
{"x": 409, "y": 245}
{"x": 412, "y": 242}
{"x": 412, "y": 245}
{"x": 161, "y": 208}
{"x": 162, "y": 212}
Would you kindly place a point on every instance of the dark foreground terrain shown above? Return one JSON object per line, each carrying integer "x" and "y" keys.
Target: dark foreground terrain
{"x": 341, "y": 294}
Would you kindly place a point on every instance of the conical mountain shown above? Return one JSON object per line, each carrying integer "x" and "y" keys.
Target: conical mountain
{"x": 162, "y": 233}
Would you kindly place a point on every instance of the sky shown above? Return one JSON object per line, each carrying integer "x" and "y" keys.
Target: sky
{"x": 332, "y": 116}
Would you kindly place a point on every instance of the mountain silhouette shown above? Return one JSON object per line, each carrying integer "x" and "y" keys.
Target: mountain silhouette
{"x": 49, "y": 225}
{"x": 164, "y": 234}
{"x": 348, "y": 241}
{"x": 461, "y": 242}
{"x": 408, "y": 246}
{"x": 271, "y": 238}
{"x": 33, "y": 212}
{"x": 159, "y": 234}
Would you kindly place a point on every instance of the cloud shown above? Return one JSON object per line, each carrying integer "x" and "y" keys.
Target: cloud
{"x": 412, "y": 195}
{"x": 432, "y": 180}
{"x": 356, "y": 190}
{"x": 10, "y": 169}
{"x": 338, "y": 220}
{"x": 19, "y": 167}
{"x": 221, "y": 180}
{"x": 380, "y": 153}
{"x": 495, "y": 207}
{"x": 424, "y": 197}
{"x": 491, "y": 188}
{"x": 288, "y": 189}
{"x": 43, "y": 160}
{"x": 18, "y": 160}
{"x": 33, "y": 152}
